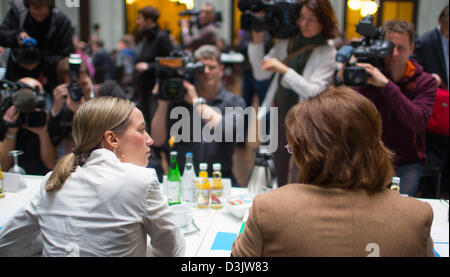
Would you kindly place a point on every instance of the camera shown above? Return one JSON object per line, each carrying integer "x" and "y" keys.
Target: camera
{"x": 75, "y": 91}
{"x": 194, "y": 17}
{"x": 279, "y": 19}
{"x": 26, "y": 99}
{"x": 172, "y": 71}
{"x": 372, "y": 48}
{"x": 28, "y": 53}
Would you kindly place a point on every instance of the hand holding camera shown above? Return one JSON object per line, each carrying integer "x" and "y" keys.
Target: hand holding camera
{"x": 369, "y": 52}
{"x": 21, "y": 37}
{"x": 375, "y": 77}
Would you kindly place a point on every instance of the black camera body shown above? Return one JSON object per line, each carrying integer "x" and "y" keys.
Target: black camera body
{"x": 372, "y": 48}
{"x": 26, "y": 100}
{"x": 279, "y": 19}
{"x": 194, "y": 17}
{"x": 75, "y": 91}
{"x": 172, "y": 71}
{"x": 28, "y": 53}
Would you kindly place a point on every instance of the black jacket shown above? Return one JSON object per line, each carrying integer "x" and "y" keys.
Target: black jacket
{"x": 155, "y": 43}
{"x": 429, "y": 53}
{"x": 58, "y": 45}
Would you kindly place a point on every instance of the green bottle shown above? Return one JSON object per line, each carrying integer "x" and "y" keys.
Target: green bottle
{"x": 174, "y": 181}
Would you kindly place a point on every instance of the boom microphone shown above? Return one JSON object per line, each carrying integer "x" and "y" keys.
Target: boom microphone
{"x": 25, "y": 100}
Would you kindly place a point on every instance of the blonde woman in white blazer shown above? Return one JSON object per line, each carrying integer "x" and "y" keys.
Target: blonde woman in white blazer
{"x": 302, "y": 66}
{"x": 100, "y": 200}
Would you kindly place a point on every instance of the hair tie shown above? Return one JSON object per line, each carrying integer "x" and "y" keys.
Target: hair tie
{"x": 76, "y": 152}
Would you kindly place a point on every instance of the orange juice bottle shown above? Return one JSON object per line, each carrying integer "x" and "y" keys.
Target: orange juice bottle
{"x": 217, "y": 187}
{"x": 203, "y": 187}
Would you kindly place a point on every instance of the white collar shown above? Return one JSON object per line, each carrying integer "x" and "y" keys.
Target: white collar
{"x": 100, "y": 155}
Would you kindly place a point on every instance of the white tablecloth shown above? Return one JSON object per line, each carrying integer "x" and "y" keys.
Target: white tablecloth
{"x": 218, "y": 227}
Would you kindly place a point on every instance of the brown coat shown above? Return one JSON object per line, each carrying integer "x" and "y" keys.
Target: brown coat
{"x": 310, "y": 221}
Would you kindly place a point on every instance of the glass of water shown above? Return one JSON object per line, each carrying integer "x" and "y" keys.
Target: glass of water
{"x": 16, "y": 168}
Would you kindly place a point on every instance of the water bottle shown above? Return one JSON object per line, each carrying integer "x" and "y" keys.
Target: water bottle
{"x": 188, "y": 180}
{"x": 174, "y": 181}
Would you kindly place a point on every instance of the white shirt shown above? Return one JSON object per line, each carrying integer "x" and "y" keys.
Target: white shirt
{"x": 106, "y": 208}
{"x": 317, "y": 75}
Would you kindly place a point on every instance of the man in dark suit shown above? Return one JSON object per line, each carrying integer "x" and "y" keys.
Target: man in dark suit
{"x": 431, "y": 51}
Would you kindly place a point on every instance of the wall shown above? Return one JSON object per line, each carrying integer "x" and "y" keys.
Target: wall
{"x": 428, "y": 13}
{"x": 110, "y": 14}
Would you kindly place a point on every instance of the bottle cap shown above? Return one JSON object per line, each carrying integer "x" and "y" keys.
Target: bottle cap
{"x": 203, "y": 166}
{"x": 217, "y": 167}
{"x": 396, "y": 180}
{"x": 189, "y": 154}
{"x": 173, "y": 153}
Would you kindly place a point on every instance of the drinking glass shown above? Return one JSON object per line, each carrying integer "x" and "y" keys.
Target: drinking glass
{"x": 16, "y": 168}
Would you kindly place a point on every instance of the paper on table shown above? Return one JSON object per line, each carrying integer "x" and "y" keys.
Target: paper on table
{"x": 14, "y": 182}
{"x": 224, "y": 241}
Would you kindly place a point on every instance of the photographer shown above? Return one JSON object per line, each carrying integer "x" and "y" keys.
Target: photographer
{"x": 67, "y": 99}
{"x": 304, "y": 66}
{"x": 404, "y": 95}
{"x": 48, "y": 36}
{"x": 208, "y": 34}
{"x": 202, "y": 100}
{"x": 39, "y": 152}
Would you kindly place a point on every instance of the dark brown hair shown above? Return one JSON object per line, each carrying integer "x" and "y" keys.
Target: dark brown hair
{"x": 149, "y": 13}
{"x": 400, "y": 26}
{"x": 336, "y": 141}
{"x": 39, "y": 3}
{"x": 444, "y": 14}
{"x": 324, "y": 13}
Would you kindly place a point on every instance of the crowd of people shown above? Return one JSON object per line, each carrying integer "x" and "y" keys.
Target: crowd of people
{"x": 343, "y": 142}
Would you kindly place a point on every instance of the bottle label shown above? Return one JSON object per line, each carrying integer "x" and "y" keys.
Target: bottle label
{"x": 173, "y": 191}
{"x": 188, "y": 193}
{"x": 215, "y": 195}
{"x": 203, "y": 197}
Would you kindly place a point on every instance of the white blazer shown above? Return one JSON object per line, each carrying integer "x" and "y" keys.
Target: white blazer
{"x": 106, "y": 208}
{"x": 317, "y": 75}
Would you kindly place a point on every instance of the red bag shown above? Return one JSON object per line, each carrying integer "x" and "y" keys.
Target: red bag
{"x": 439, "y": 120}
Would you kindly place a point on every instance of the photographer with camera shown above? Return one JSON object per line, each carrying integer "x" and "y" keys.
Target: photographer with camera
{"x": 40, "y": 35}
{"x": 208, "y": 33}
{"x": 76, "y": 88}
{"x": 24, "y": 127}
{"x": 404, "y": 95}
{"x": 205, "y": 99}
{"x": 302, "y": 60}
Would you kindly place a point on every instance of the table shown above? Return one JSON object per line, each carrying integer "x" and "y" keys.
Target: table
{"x": 220, "y": 226}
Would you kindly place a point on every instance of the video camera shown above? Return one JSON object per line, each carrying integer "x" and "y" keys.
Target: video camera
{"x": 26, "y": 99}
{"x": 279, "y": 19}
{"x": 194, "y": 16}
{"x": 75, "y": 91}
{"x": 372, "y": 48}
{"x": 172, "y": 71}
{"x": 28, "y": 53}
